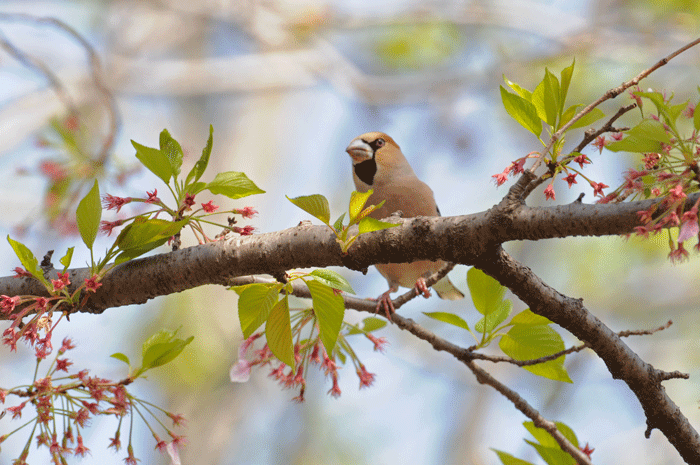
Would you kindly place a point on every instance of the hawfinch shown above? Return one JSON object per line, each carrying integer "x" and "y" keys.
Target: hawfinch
{"x": 378, "y": 164}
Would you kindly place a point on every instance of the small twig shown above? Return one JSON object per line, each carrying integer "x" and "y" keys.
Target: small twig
{"x": 589, "y": 136}
{"x": 570, "y": 350}
{"x": 610, "y": 94}
{"x": 608, "y": 127}
{"x": 413, "y": 293}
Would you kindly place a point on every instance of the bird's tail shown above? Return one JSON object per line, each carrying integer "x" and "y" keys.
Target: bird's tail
{"x": 446, "y": 290}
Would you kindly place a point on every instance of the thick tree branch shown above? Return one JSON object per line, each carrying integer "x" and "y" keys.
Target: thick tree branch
{"x": 642, "y": 378}
{"x": 458, "y": 239}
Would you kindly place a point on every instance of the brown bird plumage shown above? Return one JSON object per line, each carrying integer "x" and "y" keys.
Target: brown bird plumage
{"x": 379, "y": 164}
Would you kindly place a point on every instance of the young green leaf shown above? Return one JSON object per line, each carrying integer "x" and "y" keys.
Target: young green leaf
{"x": 330, "y": 310}
{"x": 88, "y": 216}
{"x": 552, "y": 455}
{"x": 198, "y": 169}
{"x": 522, "y": 111}
{"x": 696, "y": 117}
{"x": 121, "y": 357}
{"x": 155, "y": 160}
{"x": 27, "y": 259}
{"x": 172, "y": 151}
{"x": 586, "y": 120}
{"x": 66, "y": 259}
{"x": 316, "y": 205}
{"x": 338, "y": 225}
{"x": 130, "y": 254}
{"x": 528, "y": 342}
{"x": 332, "y": 279}
{"x": 369, "y": 224}
{"x": 528, "y": 317}
{"x": 508, "y": 459}
{"x": 142, "y": 232}
{"x": 357, "y": 203}
{"x": 161, "y": 348}
{"x": 278, "y": 332}
{"x": 255, "y": 304}
{"x": 233, "y": 185}
{"x": 369, "y": 324}
{"x": 552, "y": 95}
{"x": 521, "y": 91}
{"x": 165, "y": 352}
{"x": 372, "y": 323}
{"x": 647, "y": 136}
{"x": 566, "y": 74}
{"x": 449, "y": 318}
{"x": 486, "y": 292}
{"x": 494, "y": 318}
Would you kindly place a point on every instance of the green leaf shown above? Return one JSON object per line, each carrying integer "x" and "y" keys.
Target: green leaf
{"x": 338, "y": 225}
{"x": 369, "y": 324}
{"x": 486, "y": 292}
{"x": 449, "y": 318}
{"x": 162, "y": 353}
{"x": 528, "y": 317}
{"x": 357, "y": 203}
{"x": 647, "y": 136}
{"x": 528, "y": 342}
{"x": 332, "y": 279}
{"x": 196, "y": 187}
{"x": 330, "y": 310}
{"x": 552, "y": 455}
{"x": 552, "y": 93}
{"x": 66, "y": 259}
{"x": 369, "y": 224}
{"x": 161, "y": 348}
{"x": 495, "y": 318}
{"x": 121, "y": 357}
{"x": 587, "y": 119}
{"x": 566, "y": 74}
{"x": 142, "y": 232}
{"x": 372, "y": 323}
{"x": 674, "y": 111}
{"x": 278, "y": 332}
{"x": 128, "y": 255}
{"x": 316, "y": 205}
{"x": 172, "y": 151}
{"x": 255, "y": 304}
{"x": 198, "y": 169}
{"x": 507, "y": 459}
{"x": 521, "y": 91}
{"x": 522, "y": 111}
{"x": 27, "y": 259}
{"x": 696, "y": 117}
{"x": 569, "y": 113}
{"x": 88, "y": 215}
{"x": 153, "y": 159}
{"x": 233, "y": 185}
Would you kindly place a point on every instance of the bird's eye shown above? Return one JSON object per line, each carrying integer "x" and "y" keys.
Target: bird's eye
{"x": 380, "y": 142}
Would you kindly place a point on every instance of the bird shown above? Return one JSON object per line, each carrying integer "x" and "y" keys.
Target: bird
{"x": 379, "y": 164}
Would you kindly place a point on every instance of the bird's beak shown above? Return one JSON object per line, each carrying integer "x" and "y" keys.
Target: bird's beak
{"x": 359, "y": 150}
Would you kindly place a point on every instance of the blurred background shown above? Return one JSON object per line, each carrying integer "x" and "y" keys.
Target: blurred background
{"x": 287, "y": 84}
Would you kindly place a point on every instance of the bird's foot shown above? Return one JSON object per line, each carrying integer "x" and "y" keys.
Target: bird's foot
{"x": 384, "y": 302}
{"x": 421, "y": 288}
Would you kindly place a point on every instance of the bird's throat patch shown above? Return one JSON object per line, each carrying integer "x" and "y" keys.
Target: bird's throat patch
{"x": 366, "y": 171}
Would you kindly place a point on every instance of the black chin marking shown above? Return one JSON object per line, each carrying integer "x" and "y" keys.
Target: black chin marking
{"x": 366, "y": 171}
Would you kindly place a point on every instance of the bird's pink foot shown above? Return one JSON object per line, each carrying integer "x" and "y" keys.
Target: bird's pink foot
{"x": 421, "y": 288}
{"x": 384, "y": 302}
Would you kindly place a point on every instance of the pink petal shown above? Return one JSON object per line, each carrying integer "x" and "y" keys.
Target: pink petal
{"x": 240, "y": 372}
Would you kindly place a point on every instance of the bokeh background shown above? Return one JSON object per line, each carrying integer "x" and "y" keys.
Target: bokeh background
{"x": 287, "y": 84}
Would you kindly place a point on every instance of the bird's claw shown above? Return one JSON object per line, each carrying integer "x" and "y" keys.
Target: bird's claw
{"x": 384, "y": 302}
{"x": 421, "y": 288}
